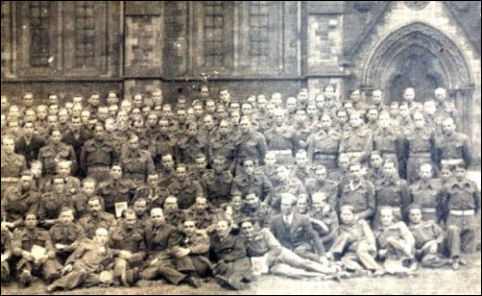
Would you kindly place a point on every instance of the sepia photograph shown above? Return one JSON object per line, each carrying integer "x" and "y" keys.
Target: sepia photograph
{"x": 241, "y": 147}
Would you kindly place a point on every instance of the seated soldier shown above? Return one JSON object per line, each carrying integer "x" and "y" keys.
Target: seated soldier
{"x": 428, "y": 193}
{"x": 72, "y": 184}
{"x": 6, "y": 254}
{"x": 116, "y": 190}
{"x": 232, "y": 268}
{"x": 184, "y": 187}
{"x": 159, "y": 263}
{"x": 217, "y": 182}
{"x": 129, "y": 238}
{"x": 429, "y": 239}
{"x": 395, "y": 243}
{"x": 254, "y": 209}
{"x": 79, "y": 201}
{"x": 286, "y": 184}
{"x": 202, "y": 213}
{"x": 37, "y": 253}
{"x": 355, "y": 244}
{"x": 320, "y": 183}
{"x": 251, "y": 180}
{"x": 65, "y": 234}
{"x": 324, "y": 218}
{"x": 152, "y": 192}
{"x": 90, "y": 265}
{"x": 96, "y": 217}
{"x": 295, "y": 232}
{"x": 261, "y": 243}
{"x": 142, "y": 213}
{"x": 190, "y": 250}
{"x": 174, "y": 215}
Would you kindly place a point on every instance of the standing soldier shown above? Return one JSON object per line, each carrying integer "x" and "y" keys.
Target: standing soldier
{"x": 320, "y": 183}
{"x": 428, "y": 194}
{"x": 357, "y": 143}
{"x": 251, "y": 181}
{"x": 29, "y": 144}
{"x": 223, "y": 143}
{"x": 162, "y": 143}
{"x": 54, "y": 152}
{"x": 387, "y": 140}
{"x": 96, "y": 218}
{"x": 37, "y": 254}
{"x": 98, "y": 155}
{"x": 462, "y": 204}
{"x": 217, "y": 182}
{"x": 12, "y": 164}
{"x": 323, "y": 144}
{"x": 136, "y": 164}
{"x": 452, "y": 148}
{"x": 280, "y": 138}
{"x": 115, "y": 190}
{"x": 420, "y": 146}
{"x": 251, "y": 144}
{"x": 184, "y": 187}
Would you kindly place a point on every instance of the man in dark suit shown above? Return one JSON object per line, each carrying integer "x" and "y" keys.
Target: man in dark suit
{"x": 295, "y": 232}
{"x": 76, "y": 136}
{"x": 29, "y": 144}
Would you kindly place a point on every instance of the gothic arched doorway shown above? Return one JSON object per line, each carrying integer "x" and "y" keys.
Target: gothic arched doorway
{"x": 424, "y": 58}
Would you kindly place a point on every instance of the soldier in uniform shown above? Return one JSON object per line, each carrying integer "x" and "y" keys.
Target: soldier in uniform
{"x": 184, "y": 187}
{"x": 286, "y": 184}
{"x": 223, "y": 143}
{"x": 428, "y": 193}
{"x": 255, "y": 210}
{"x": 159, "y": 263}
{"x": 251, "y": 181}
{"x": 446, "y": 107}
{"x": 302, "y": 130}
{"x": 280, "y": 138}
{"x": 168, "y": 171}
{"x": 37, "y": 254}
{"x": 29, "y": 143}
{"x": 174, "y": 215}
{"x": 128, "y": 237}
{"x": 65, "y": 235}
{"x": 162, "y": 143}
{"x": 295, "y": 231}
{"x": 324, "y": 218}
{"x": 429, "y": 239}
{"x": 19, "y": 201}
{"x": 191, "y": 145}
{"x": 154, "y": 194}
{"x": 396, "y": 243}
{"x": 228, "y": 253}
{"x": 452, "y": 148}
{"x": 136, "y": 164}
{"x": 6, "y": 254}
{"x": 357, "y": 143}
{"x": 51, "y": 203}
{"x": 387, "y": 140}
{"x": 12, "y": 164}
{"x": 323, "y": 144}
{"x": 96, "y": 217}
{"x": 302, "y": 169}
{"x": 98, "y": 155}
{"x": 420, "y": 147}
{"x": 251, "y": 144}
{"x": 217, "y": 182}
{"x": 358, "y": 193}
{"x": 374, "y": 170}
{"x": 90, "y": 265}
{"x": 55, "y": 151}
{"x": 462, "y": 205}
{"x": 320, "y": 183}
{"x": 116, "y": 189}
{"x": 391, "y": 191}
{"x": 355, "y": 244}
{"x": 202, "y": 213}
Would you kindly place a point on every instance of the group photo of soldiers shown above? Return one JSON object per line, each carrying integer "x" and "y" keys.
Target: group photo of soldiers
{"x": 99, "y": 191}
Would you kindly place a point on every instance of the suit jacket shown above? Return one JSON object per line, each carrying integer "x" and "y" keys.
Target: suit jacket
{"x": 299, "y": 232}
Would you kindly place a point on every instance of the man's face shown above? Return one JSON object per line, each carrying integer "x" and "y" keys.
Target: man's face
{"x": 112, "y": 99}
{"x": 225, "y": 96}
{"x": 63, "y": 169}
{"x": 377, "y": 97}
{"x": 138, "y": 101}
{"x": 329, "y": 93}
{"x": 270, "y": 159}
{"x": 247, "y": 109}
{"x": 28, "y": 128}
{"x": 167, "y": 162}
{"x": 102, "y": 237}
{"x": 342, "y": 117}
{"x": 445, "y": 174}
{"x": 85, "y": 116}
{"x": 459, "y": 173}
{"x": 131, "y": 220}
{"x": 384, "y": 121}
{"x": 223, "y": 128}
{"x": 415, "y": 216}
{"x": 157, "y": 217}
{"x": 26, "y": 182}
{"x": 66, "y": 217}
{"x": 210, "y": 107}
{"x": 52, "y": 121}
{"x": 386, "y": 217}
{"x": 244, "y": 126}
{"x": 189, "y": 227}
{"x": 218, "y": 165}
{"x": 88, "y": 188}
{"x": 389, "y": 170}
{"x": 53, "y": 99}
{"x": 170, "y": 204}
{"x": 153, "y": 180}
{"x": 237, "y": 202}
{"x": 346, "y": 216}
{"x": 134, "y": 143}
{"x": 291, "y": 105}
{"x": 99, "y": 132}
{"x": 247, "y": 230}
{"x": 42, "y": 112}
{"x": 31, "y": 221}
{"x": 355, "y": 172}
{"x": 319, "y": 204}
{"x": 222, "y": 228}
{"x": 343, "y": 161}
{"x": 140, "y": 207}
{"x": 181, "y": 173}
{"x": 440, "y": 94}
{"x": 429, "y": 107}
{"x": 94, "y": 100}
{"x": 157, "y": 98}
{"x": 252, "y": 200}
{"x": 321, "y": 174}
{"x": 201, "y": 163}
{"x": 355, "y": 96}
{"x": 418, "y": 120}
{"x": 376, "y": 161}
{"x": 36, "y": 169}
{"x": 301, "y": 159}
{"x": 311, "y": 110}
{"x": 448, "y": 126}
{"x": 286, "y": 207}
{"x": 201, "y": 204}
{"x": 409, "y": 95}
{"x": 164, "y": 126}
{"x": 302, "y": 205}
{"x": 208, "y": 122}
{"x": 56, "y": 137}
{"x": 300, "y": 116}
{"x": 426, "y": 172}
{"x": 302, "y": 96}
{"x": 116, "y": 172}
{"x": 355, "y": 120}
{"x": 249, "y": 167}
{"x": 198, "y": 110}
{"x": 94, "y": 207}
{"x": 27, "y": 100}
{"x": 192, "y": 130}
{"x": 326, "y": 122}
{"x": 59, "y": 185}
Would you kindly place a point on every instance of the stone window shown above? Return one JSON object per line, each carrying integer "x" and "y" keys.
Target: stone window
{"x": 85, "y": 33}
{"x": 214, "y": 33}
{"x": 259, "y": 32}
{"x": 39, "y": 14}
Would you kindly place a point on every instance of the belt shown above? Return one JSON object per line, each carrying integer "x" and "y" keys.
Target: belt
{"x": 462, "y": 212}
{"x": 283, "y": 152}
{"x": 325, "y": 156}
{"x": 420, "y": 154}
{"x": 429, "y": 210}
{"x": 98, "y": 169}
{"x": 452, "y": 161}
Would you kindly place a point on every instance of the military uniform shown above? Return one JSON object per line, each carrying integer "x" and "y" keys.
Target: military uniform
{"x": 162, "y": 145}
{"x": 329, "y": 218}
{"x": 52, "y": 153}
{"x": 357, "y": 144}
{"x": 50, "y": 205}
{"x": 302, "y": 173}
{"x": 69, "y": 235}
{"x": 188, "y": 148}
{"x": 462, "y": 204}
{"x": 17, "y": 203}
{"x": 360, "y": 196}
{"x": 429, "y": 195}
{"x": 251, "y": 146}
{"x": 29, "y": 147}
{"x": 257, "y": 183}
{"x": 261, "y": 214}
{"x": 186, "y": 191}
{"x": 426, "y": 233}
{"x": 328, "y": 187}
{"x": 203, "y": 218}
{"x": 420, "y": 150}
{"x": 217, "y": 186}
{"x": 175, "y": 217}
{"x": 389, "y": 143}
{"x": 96, "y": 159}
{"x": 155, "y": 197}
{"x": 323, "y": 147}
{"x": 393, "y": 194}
{"x": 223, "y": 145}
{"x": 136, "y": 165}
{"x": 281, "y": 140}
{"x": 91, "y": 223}
{"x": 12, "y": 166}
{"x": 302, "y": 133}
{"x": 115, "y": 191}
{"x": 292, "y": 185}
{"x": 6, "y": 248}
{"x": 452, "y": 150}
{"x": 25, "y": 240}
{"x": 197, "y": 260}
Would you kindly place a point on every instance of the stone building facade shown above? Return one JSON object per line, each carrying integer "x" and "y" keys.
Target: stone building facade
{"x": 251, "y": 47}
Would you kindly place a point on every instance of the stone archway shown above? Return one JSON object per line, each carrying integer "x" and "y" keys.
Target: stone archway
{"x": 422, "y": 57}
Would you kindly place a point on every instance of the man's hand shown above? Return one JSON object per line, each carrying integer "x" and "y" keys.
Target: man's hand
{"x": 60, "y": 246}
{"x": 27, "y": 256}
{"x": 431, "y": 245}
{"x": 7, "y": 225}
{"x": 182, "y": 252}
{"x": 382, "y": 252}
{"x": 67, "y": 269}
{"x": 49, "y": 222}
{"x": 125, "y": 255}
